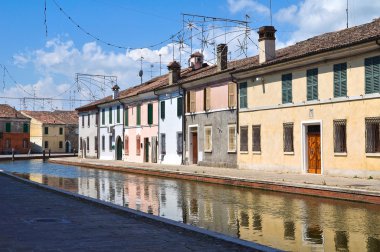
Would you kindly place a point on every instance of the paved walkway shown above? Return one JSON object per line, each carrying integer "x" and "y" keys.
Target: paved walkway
{"x": 323, "y": 182}
{"x": 36, "y": 219}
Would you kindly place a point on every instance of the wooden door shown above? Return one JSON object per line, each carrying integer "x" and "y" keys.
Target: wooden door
{"x": 146, "y": 149}
{"x": 195, "y": 147}
{"x": 314, "y": 152}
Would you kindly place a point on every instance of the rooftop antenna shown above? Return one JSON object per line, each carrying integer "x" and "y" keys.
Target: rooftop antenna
{"x": 151, "y": 70}
{"x": 270, "y": 11}
{"x": 141, "y": 73}
{"x": 347, "y": 14}
{"x": 160, "y": 63}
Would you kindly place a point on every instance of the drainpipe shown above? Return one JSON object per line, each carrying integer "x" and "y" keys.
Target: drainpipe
{"x": 158, "y": 123}
{"x": 181, "y": 89}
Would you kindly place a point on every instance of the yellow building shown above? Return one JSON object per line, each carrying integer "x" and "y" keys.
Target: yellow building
{"x": 313, "y": 107}
{"x": 48, "y": 130}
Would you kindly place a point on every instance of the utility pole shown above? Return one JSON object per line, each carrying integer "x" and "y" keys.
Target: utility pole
{"x": 347, "y": 13}
{"x": 160, "y": 63}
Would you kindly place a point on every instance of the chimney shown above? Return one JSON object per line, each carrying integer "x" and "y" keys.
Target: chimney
{"x": 221, "y": 60}
{"x": 115, "y": 90}
{"x": 196, "y": 60}
{"x": 174, "y": 72}
{"x": 267, "y": 44}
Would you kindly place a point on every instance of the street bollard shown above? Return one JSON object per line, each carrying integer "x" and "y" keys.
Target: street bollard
{"x": 49, "y": 153}
{"x": 43, "y": 154}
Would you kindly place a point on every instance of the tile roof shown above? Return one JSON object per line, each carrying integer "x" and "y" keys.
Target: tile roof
{"x": 54, "y": 117}
{"x": 7, "y": 111}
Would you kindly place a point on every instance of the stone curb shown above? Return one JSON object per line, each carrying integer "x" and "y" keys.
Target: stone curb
{"x": 216, "y": 235}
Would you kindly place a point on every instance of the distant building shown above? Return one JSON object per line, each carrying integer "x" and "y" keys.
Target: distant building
{"x": 14, "y": 131}
{"x": 56, "y": 131}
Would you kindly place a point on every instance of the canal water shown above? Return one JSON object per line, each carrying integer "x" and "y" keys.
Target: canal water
{"x": 284, "y": 221}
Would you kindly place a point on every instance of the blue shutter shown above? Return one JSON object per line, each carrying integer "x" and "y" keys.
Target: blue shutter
{"x": 287, "y": 96}
{"x": 340, "y": 80}
{"x": 162, "y": 110}
{"x": 126, "y": 117}
{"x": 372, "y": 75}
{"x": 243, "y": 95}
{"x": 179, "y": 106}
{"x": 312, "y": 84}
{"x": 150, "y": 113}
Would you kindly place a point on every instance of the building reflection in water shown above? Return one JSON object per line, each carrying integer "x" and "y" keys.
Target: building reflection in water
{"x": 288, "y": 222}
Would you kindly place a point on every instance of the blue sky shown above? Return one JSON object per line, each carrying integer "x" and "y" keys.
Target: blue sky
{"x": 46, "y": 65}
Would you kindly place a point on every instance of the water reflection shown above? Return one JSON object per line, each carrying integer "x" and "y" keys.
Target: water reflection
{"x": 288, "y": 222}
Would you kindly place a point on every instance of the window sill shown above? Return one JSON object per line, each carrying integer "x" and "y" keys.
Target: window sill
{"x": 243, "y": 152}
{"x": 340, "y": 154}
{"x": 256, "y": 152}
{"x": 289, "y": 153}
{"x": 377, "y": 154}
{"x": 232, "y": 152}
{"x": 208, "y": 151}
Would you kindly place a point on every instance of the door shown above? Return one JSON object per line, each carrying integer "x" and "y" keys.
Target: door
{"x": 67, "y": 147}
{"x": 194, "y": 141}
{"x": 314, "y": 152}
{"x": 146, "y": 149}
{"x": 119, "y": 149}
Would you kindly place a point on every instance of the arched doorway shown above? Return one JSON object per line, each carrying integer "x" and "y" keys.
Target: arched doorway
{"x": 119, "y": 148}
{"x": 67, "y": 147}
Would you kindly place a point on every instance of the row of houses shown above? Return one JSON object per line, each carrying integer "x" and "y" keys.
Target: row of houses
{"x": 312, "y": 107}
{"x": 34, "y": 131}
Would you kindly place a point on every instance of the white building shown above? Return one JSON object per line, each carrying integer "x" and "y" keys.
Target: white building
{"x": 88, "y": 132}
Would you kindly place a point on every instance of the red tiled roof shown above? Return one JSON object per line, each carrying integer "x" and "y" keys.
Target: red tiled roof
{"x": 7, "y": 111}
{"x": 55, "y": 117}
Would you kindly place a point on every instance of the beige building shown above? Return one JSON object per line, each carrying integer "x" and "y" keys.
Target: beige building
{"x": 313, "y": 107}
{"x": 50, "y": 130}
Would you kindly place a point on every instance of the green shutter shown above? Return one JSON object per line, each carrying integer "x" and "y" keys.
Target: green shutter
{"x": 150, "y": 113}
{"x": 312, "y": 84}
{"x": 162, "y": 110}
{"x": 8, "y": 127}
{"x": 26, "y": 128}
{"x": 118, "y": 114}
{"x": 340, "y": 80}
{"x": 138, "y": 114}
{"x": 103, "y": 116}
{"x": 287, "y": 96}
{"x": 372, "y": 75}
{"x": 110, "y": 115}
{"x": 243, "y": 95}
{"x": 179, "y": 106}
{"x": 126, "y": 117}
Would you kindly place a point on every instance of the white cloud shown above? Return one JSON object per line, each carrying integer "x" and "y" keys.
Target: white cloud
{"x": 247, "y": 6}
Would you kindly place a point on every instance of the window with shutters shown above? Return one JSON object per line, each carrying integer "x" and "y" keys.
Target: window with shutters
{"x": 312, "y": 84}
{"x": 287, "y": 95}
{"x": 372, "y": 134}
{"x": 256, "y": 138}
{"x": 244, "y": 138}
{"x": 88, "y": 143}
{"x": 231, "y": 95}
{"x": 126, "y": 145}
{"x": 96, "y": 143}
{"x": 60, "y": 144}
{"x": 288, "y": 137}
{"x": 162, "y": 110}
{"x": 88, "y": 120}
{"x": 80, "y": 143}
{"x": 96, "y": 119}
{"x": 179, "y": 106}
{"x": 138, "y": 145}
{"x": 103, "y": 116}
{"x": 8, "y": 127}
{"x": 110, "y": 143}
{"x": 231, "y": 138}
{"x": 118, "y": 114}
{"x": 25, "y": 128}
{"x": 138, "y": 115}
{"x": 46, "y": 130}
{"x": 110, "y": 115}
{"x": 207, "y": 99}
{"x": 150, "y": 113}
{"x": 207, "y": 139}
{"x": 126, "y": 117}
{"x": 191, "y": 102}
{"x": 243, "y": 95}
{"x": 103, "y": 143}
{"x": 340, "y": 80}
{"x": 163, "y": 144}
{"x": 340, "y": 136}
{"x": 179, "y": 142}
{"x": 82, "y": 121}
{"x": 372, "y": 75}
{"x": 61, "y": 131}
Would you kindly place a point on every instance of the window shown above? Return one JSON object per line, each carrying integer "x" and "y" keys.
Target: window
{"x": 208, "y": 139}
{"x": 46, "y": 130}
{"x": 82, "y": 121}
{"x": 312, "y": 84}
{"x": 231, "y": 94}
{"x": 80, "y": 143}
{"x": 207, "y": 99}
{"x": 96, "y": 119}
{"x": 103, "y": 143}
{"x": 126, "y": 144}
{"x": 25, "y": 143}
{"x": 287, "y": 96}
{"x": 46, "y": 144}
{"x": 60, "y": 144}
{"x": 110, "y": 142}
{"x": 110, "y": 115}
{"x": 88, "y": 143}
{"x": 191, "y": 101}
{"x": 103, "y": 116}
{"x": 340, "y": 136}
{"x": 256, "y": 138}
{"x": 61, "y": 131}
{"x": 150, "y": 113}
{"x": 138, "y": 115}
{"x": 231, "y": 138}
{"x": 162, "y": 110}
{"x": 163, "y": 144}
{"x": 118, "y": 114}
{"x": 25, "y": 128}
{"x": 288, "y": 137}
{"x": 340, "y": 80}
{"x": 179, "y": 106}
{"x": 96, "y": 143}
{"x": 126, "y": 117}
{"x": 243, "y": 95}
{"x": 372, "y": 75}
{"x": 244, "y": 138}
{"x": 372, "y": 129}
{"x": 138, "y": 145}
{"x": 8, "y": 127}
{"x": 179, "y": 142}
